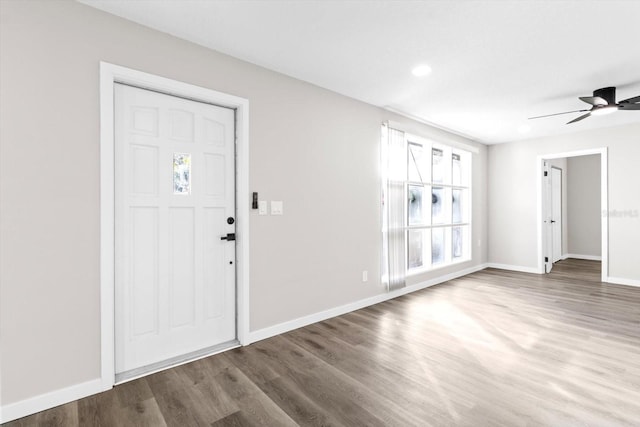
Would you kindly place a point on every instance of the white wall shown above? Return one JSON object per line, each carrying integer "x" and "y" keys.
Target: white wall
{"x": 315, "y": 150}
{"x": 584, "y": 211}
{"x": 512, "y": 190}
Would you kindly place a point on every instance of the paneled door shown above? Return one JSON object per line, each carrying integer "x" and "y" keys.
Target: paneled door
{"x": 175, "y": 290}
{"x": 556, "y": 212}
{"x": 547, "y": 195}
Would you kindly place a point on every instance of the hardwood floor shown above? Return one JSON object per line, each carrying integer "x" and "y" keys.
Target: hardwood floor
{"x": 489, "y": 349}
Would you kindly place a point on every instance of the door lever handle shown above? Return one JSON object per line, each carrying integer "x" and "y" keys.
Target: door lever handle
{"x": 229, "y": 236}
{"x": 552, "y": 221}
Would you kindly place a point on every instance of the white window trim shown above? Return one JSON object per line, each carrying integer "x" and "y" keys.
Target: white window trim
{"x": 448, "y": 139}
{"x": 419, "y": 271}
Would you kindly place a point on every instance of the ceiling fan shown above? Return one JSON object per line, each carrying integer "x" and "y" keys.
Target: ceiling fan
{"x": 603, "y": 102}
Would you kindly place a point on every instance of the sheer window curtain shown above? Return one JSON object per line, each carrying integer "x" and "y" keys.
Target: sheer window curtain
{"x": 394, "y": 167}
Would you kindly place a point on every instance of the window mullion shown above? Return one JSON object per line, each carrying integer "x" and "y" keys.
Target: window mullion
{"x": 436, "y": 174}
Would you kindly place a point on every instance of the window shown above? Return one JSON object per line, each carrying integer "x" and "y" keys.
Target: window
{"x": 435, "y": 225}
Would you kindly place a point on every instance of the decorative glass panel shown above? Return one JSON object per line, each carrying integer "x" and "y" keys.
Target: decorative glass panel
{"x": 456, "y": 242}
{"x": 456, "y": 206}
{"x": 415, "y": 208}
{"x": 437, "y": 245}
{"x": 437, "y": 205}
{"x": 417, "y": 169}
{"x": 438, "y": 165}
{"x": 456, "y": 169}
{"x": 181, "y": 173}
{"x": 416, "y": 248}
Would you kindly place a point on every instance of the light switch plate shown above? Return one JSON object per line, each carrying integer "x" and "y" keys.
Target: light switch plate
{"x": 276, "y": 207}
{"x": 262, "y": 207}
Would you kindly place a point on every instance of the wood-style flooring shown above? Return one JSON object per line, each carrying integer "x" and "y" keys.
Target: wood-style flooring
{"x": 494, "y": 348}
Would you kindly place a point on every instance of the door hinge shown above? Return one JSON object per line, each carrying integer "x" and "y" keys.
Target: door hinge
{"x": 546, "y": 259}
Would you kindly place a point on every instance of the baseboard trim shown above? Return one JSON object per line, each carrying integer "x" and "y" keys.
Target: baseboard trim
{"x": 300, "y": 322}
{"x": 13, "y": 411}
{"x": 623, "y": 281}
{"x": 587, "y": 257}
{"x": 510, "y": 267}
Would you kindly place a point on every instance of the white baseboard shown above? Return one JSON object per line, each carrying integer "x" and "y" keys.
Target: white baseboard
{"x": 300, "y": 322}
{"x": 510, "y": 267}
{"x": 13, "y": 411}
{"x": 587, "y": 257}
{"x": 623, "y": 281}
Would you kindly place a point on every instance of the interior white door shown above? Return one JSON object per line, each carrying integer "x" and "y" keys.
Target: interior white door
{"x": 556, "y": 212}
{"x": 546, "y": 208}
{"x": 175, "y": 289}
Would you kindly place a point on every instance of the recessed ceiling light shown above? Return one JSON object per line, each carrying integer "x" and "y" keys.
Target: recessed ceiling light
{"x": 524, "y": 129}
{"x": 421, "y": 70}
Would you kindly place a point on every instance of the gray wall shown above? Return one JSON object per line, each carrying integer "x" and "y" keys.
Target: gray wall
{"x": 315, "y": 150}
{"x": 583, "y": 200}
{"x": 512, "y": 201}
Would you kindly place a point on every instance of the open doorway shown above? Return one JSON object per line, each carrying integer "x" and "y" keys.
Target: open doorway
{"x": 572, "y": 206}
{"x": 557, "y": 210}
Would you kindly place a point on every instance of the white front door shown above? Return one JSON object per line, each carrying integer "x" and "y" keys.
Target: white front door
{"x": 556, "y": 212}
{"x": 175, "y": 290}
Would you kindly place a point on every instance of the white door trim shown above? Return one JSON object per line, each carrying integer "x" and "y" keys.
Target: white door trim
{"x": 109, "y": 75}
{"x": 604, "y": 204}
{"x": 557, "y": 220}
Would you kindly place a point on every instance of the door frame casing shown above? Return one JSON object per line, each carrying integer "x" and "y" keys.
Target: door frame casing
{"x": 111, "y": 74}
{"x": 604, "y": 204}
{"x": 561, "y": 212}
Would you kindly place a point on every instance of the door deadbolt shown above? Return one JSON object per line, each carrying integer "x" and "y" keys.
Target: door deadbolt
{"x": 230, "y": 220}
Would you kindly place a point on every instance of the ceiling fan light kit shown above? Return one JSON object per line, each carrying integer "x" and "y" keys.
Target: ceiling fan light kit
{"x": 603, "y": 111}
{"x": 602, "y": 102}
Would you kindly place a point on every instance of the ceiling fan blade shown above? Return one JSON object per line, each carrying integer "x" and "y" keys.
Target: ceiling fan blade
{"x": 557, "y": 114}
{"x": 628, "y": 107}
{"x": 631, "y": 100}
{"x": 582, "y": 117}
{"x": 594, "y": 100}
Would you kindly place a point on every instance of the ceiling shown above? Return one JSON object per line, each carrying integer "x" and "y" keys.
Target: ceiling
{"x": 494, "y": 63}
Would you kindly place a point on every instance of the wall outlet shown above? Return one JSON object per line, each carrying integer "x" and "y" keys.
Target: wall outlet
{"x": 365, "y": 276}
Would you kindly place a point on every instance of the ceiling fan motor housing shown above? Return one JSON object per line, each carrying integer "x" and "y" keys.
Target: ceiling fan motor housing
{"x": 606, "y": 93}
